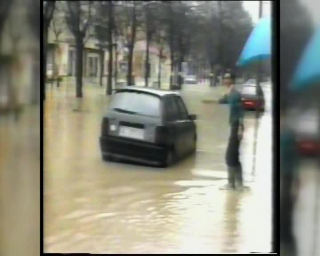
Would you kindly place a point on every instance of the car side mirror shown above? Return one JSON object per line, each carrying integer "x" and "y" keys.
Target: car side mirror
{"x": 193, "y": 117}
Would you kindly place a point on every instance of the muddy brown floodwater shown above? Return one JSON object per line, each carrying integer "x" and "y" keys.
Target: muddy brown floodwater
{"x": 20, "y": 183}
{"x": 112, "y": 207}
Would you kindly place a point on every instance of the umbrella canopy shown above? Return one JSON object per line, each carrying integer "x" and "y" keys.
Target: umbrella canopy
{"x": 308, "y": 70}
{"x": 258, "y": 46}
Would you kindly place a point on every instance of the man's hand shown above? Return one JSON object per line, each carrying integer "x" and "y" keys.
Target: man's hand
{"x": 223, "y": 100}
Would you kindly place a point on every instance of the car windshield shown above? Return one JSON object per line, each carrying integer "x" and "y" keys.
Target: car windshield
{"x": 251, "y": 81}
{"x": 136, "y": 103}
{"x": 249, "y": 90}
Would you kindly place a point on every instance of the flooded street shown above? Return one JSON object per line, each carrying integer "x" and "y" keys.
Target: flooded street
{"x": 110, "y": 207}
{"x": 20, "y": 183}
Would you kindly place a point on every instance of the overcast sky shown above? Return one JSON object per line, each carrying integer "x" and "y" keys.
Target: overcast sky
{"x": 253, "y": 8}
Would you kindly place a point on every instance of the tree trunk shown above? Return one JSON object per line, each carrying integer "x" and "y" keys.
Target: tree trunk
{"x": 131, "y": 47}
{"x": 110, "y": 61}
{"x": 211, "y": 72}
{"x": 172, "y": 67}
{"x": 36, "y": 83}
{"x": 116, "y": 66}
{"x": 110, "y": 48}
{"x": 44, "y": 57}
{"x": 146, "y": 75}
{"x": 129, "y": 75}
{"x": 10, "y": 84}
{"x": 79, "y": 66}
{"x": 180, "y": 72}
{"x": 181, "y": 60}
{"x": 101, "y": 67}
{"x": 147, "y": 71}
{"x": 159, "y": 73}
{"x": 220, "y": 31}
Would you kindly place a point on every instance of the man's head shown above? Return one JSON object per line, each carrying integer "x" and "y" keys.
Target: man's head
{"x": 294, "y": 37}
{"x": 229, "y": 79}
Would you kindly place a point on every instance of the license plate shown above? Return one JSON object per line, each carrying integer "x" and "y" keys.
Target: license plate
{"x": 130, "y": 132}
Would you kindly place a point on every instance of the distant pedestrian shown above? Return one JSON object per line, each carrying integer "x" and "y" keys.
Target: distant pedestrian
{"x": 233, "y": 98}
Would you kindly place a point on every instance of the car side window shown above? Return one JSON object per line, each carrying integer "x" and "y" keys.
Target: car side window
{"x": 171, "y": 111}
{"x": 182, "y": 108}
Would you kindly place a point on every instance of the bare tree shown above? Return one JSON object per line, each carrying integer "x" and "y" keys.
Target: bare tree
{"x": 131, "y": 43}
{"x": 170, "y": 24}
{"x": 78, "y": 17}
{"x": 184, "y": 23}
{"x": 150, "y": 29}
{"x": 48, "y": 10}
{"x": 57, "y": 27}
{"x": 161, "y": 40}
{"x": 117, "y": 48}
{"x": 110, "y": 47}
{"x": 4, "y": 12}
{"x": 101, "y": 32}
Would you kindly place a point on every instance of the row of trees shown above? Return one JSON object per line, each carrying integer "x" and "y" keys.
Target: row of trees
{"x": 210, "y": 33}
{"x": 18, "y": 19}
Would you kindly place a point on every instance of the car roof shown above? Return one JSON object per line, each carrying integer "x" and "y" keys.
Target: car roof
{"x": 251, "y": 85}
{"x": 153, "y": 91}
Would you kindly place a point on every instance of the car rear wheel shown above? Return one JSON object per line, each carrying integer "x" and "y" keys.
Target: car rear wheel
{"x": 194, "y": 149}
{"x": 106, "y": 157}
{"x": 170, "y": 156}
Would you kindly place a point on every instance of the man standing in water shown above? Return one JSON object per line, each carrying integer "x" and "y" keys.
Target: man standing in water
{"x": 289, "y": 181}
{"x": 294, "y": 37}
{"x": 233, "y": 98}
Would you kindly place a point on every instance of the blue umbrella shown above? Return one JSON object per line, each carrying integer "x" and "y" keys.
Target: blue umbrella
{"x": 308, "y": 70}
{"x": 258, "y": 46}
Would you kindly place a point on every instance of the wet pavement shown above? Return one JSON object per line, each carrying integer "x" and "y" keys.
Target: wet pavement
{"x": 307, "y": 212}
{"x": 111, "y": 207}
{"x": 20, "y": 183}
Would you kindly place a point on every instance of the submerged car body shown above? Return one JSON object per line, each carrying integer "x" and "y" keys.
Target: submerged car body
{"x": 147, "y": 125}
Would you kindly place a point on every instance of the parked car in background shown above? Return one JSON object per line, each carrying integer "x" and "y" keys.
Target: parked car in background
{"x": 147, "y": 125}
{"x": 252, "y": 99}
{"x": 3, "y": 101}
{"x": 190, "y": 79}
{"x": 50, "y": 72}
{"x": 251, "y": 81}
{"x": 305, "y": 123}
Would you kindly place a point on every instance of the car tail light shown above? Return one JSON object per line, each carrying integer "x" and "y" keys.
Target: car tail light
{"x": 162, "y": 134}
{"x": 105, "y": 127}
{"x": 308, "y": 145}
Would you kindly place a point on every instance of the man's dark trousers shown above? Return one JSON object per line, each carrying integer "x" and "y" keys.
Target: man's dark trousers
{"x": 232, "y": 156}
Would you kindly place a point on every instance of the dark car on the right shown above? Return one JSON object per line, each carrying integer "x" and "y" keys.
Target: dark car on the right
{"x": 304, "y": 121}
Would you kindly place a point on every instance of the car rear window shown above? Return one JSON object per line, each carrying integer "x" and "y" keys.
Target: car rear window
{"x": 139, "y": 103}
{"x": 251, "y": 81}
{"x": 249, "y": 90}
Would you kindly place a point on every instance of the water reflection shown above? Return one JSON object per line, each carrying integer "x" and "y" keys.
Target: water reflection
{"x": 232, "y": 208}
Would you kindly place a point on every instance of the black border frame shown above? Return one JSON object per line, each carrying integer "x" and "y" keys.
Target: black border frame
{"x": 276, "y": 106}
